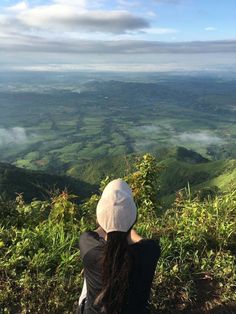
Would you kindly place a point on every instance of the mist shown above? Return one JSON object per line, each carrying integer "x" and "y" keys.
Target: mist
{"x": 15, "y": 135}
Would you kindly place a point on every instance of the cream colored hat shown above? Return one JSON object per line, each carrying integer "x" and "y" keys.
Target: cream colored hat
{"x": 116, "y": 210}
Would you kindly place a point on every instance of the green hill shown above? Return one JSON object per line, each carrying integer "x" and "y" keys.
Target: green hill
{"x": 215, "y": 175}
{"x": 179, "y": 167}
{"x": 37, "y": 184}
{"x": 94, "y": 171}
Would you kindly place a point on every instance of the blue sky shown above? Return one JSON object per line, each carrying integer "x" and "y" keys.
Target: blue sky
{"x": 149, "y": 34}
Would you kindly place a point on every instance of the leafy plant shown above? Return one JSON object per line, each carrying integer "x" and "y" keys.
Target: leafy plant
{"x": 40, "y": 267}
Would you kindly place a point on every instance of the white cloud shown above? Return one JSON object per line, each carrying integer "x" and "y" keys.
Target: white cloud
{"x": 66, "y": 18}
{"x": 82, "y": 4}
{"x": 103, "y": 67}
{"x": 16, "y": 136}
{"x": 203, "y": 137}
{"x": 20, "y": 6}
{"x": 210, "y": 28}
{"x": 160, "y": 31}
{"x": 46, "y": 15}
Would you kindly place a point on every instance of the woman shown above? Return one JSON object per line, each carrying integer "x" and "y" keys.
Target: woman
{"x": 118, "y": 264}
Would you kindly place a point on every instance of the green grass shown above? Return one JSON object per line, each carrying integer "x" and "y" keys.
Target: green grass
{"x": 40, "y": 266}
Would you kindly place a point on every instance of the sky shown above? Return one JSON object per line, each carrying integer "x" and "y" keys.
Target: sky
{"x": 118, "y": 35}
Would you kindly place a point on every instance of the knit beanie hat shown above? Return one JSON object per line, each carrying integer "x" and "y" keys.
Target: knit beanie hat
{"x": 116, "y": 210}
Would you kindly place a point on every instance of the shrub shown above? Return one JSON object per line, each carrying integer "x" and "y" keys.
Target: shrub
{"x": 40, "y": 267}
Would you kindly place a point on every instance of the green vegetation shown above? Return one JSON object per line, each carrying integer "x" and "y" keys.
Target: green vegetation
{"x": 179, "y": 165}
{"x": 56, "y": 123}
{"x": 82, "y": 130}
{"x": 39, "y": 258}
{"x": 38, "y": 184}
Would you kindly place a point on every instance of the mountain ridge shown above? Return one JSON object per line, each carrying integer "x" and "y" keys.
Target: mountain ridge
{"x": 38, "y": 184}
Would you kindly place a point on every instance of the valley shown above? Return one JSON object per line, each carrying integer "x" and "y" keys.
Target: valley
{"x": 55, "y": 122}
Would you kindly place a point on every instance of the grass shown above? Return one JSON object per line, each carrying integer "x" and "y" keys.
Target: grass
{"x": 40, "y": 267}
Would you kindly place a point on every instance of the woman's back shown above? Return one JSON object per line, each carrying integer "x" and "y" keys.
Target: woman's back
{"x": 145, "y": 255}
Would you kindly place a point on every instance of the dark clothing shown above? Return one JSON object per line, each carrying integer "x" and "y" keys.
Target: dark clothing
{"x": 145, "y": 256}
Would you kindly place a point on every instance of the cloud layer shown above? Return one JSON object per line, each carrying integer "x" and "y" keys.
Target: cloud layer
{"x": 31, "y": 43}
{"x": 203, "y": 137}
{"x": 65, "y": 29}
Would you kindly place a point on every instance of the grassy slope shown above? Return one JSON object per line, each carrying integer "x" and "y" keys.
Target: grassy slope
{"x": 225, "y": 180}
{"x": 179, "y": 167}
{"x": 94, "y": 171}
{"x": 176, "y": 175}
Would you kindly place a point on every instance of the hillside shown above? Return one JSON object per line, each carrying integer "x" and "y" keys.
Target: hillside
{"x": 94, "y": 171}
{"x": 37, "y": 184}
{"x": 179, "y": 167}
{"x": 41, "y": 266}
{"x": 215, "y": 176}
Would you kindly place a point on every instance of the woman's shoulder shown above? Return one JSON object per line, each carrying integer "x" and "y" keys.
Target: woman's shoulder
{"x": 87, "y": 241}
{"x": 148, "y": 245}
{"x": 88, "y": 235}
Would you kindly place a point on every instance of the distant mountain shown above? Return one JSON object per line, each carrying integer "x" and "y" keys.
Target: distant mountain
{"x": 37, "y": 184}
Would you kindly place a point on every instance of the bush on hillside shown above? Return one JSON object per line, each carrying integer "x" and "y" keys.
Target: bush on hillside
{"x": 40, "y": 267}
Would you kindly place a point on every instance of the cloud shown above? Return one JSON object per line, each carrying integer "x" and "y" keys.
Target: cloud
{"x": 115, "y": 62}
{"x": 16, "y": 136}
{"x": 203, "y": 137}
{"x": 210, "y": 28}
{"x": 69, "y": 29}
{"x": 31, "y": 43}
{"x": 160, "y": 31}
{"x": 101, "y": 67}
{"x": 72, "y": 16}
{"x": 82, "y": 4}
{"x": 20, "y": 6}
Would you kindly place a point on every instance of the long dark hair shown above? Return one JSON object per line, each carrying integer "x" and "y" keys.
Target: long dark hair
{"x": 116, "y": 266}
